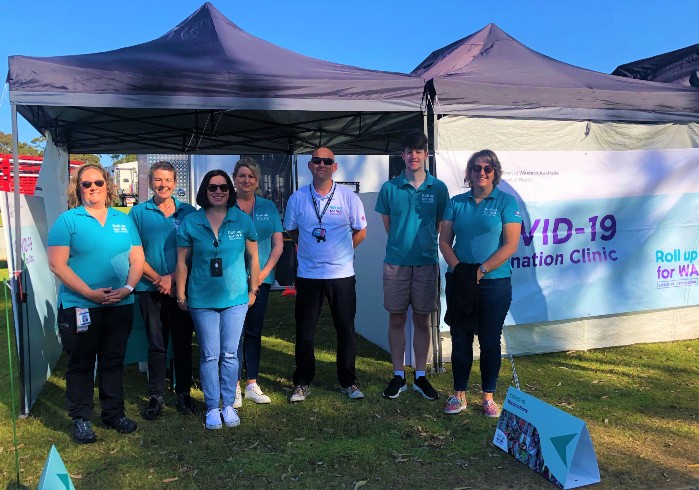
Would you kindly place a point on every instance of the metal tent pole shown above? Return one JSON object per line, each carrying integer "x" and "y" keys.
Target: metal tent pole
{"x": 22, "y": 339}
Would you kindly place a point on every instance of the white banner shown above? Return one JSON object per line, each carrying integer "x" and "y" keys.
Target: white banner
{"x": 604, "y": 232}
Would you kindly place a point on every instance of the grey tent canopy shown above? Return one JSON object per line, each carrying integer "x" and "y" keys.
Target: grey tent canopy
{"x": 489, "y": 73}
{"x": 210, "y": 87}
{"x": 679, "y": 67}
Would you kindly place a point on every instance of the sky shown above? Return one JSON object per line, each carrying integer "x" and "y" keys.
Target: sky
{"x": 393, "y": 35}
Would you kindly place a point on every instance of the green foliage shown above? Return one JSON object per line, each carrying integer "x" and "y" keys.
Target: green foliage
{"x": 121, "y": 158}
{"x": 85, "y": 158}
{"x": 640, "y": 404}
{"x": 34, "y": 149}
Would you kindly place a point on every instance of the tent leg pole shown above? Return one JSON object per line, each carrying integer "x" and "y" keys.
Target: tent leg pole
{"x": 15, "y": 182}
{"x": 17, "y": 266}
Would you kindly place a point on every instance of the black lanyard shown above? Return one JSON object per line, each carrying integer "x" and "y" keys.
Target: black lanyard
{"x": 315, "y": 203}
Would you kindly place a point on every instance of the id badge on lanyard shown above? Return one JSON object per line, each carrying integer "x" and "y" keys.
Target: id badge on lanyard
{"x": 82, "y": 319}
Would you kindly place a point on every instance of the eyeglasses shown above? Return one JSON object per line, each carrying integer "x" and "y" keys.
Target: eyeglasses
{"x": 87, "y": 184}
{"x": 326, "y": 161}
{"x": 488, "y": 169}
{"x": 163, "y": 181}
{"x": 222, "y": 187}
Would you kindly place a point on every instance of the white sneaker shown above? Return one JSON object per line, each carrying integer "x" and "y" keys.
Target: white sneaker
{"x": 230, "y": 417}
{"x": 254, "y": 392}
{"x": 238, "y": 398}
{"x": 300, "y": 393}
{"x": 213, "y": 419}
{"x": 352, "y": 392}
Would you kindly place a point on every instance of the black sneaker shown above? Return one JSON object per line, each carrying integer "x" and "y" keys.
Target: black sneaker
{"x": 395, "y": 387}
{"x": 123, "y": 426}
{"x": 422, "y": 386}
{"x": 185, "y": 405}
{"x": 82, "y": 431}
{"x": 154, "y": 409}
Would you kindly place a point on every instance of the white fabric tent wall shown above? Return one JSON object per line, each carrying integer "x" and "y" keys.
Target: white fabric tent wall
{"x": 457, "y": 133}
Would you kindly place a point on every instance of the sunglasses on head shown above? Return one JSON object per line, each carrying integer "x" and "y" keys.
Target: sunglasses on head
{"x": 87, "y": 184}
{"x": 488, "y": 169}
{"x": 319, "y": 160}
{"x": 213, "y": 187}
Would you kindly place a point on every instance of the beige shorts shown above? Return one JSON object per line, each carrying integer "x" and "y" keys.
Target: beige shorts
{"x": 405, "y": 285}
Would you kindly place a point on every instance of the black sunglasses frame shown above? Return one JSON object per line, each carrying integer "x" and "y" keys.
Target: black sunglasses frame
{"x": 487, "y": 168}
{"x": 325, "y": 161}
{"x": 86, "y": 184}
{"x": 215, "y": 187}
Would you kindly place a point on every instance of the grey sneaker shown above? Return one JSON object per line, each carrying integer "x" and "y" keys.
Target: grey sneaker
{"x": 352, "y": 392}
{"x": 300, "y": 393}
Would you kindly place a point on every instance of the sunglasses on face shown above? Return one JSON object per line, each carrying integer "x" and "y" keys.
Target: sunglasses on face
{"x": 87, "y": 184}
{"x": 326, "y": 161}
{"x": 221, "y": 187}
{"x": 488, "y": 169}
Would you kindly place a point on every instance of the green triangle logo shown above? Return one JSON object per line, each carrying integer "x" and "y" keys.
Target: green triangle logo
{"x": 560, "y": 443}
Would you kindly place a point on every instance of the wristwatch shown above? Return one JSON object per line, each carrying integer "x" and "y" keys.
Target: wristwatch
{"x": 255, "y": 291}
{"x": 483, "y": 270}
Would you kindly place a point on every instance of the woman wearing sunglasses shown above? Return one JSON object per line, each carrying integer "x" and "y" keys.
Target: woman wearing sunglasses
{"x": 485, "y": 222}
{"x": 211, "y": 280}
{"x": 95, "y": 251}
{"x": 270, "y": 243}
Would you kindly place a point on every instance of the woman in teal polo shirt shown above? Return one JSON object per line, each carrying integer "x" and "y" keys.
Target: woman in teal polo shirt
{"x": 212, "y": 282}
{"x": 270, "y": 243}
{"x": 486, "y": 223}
{"x": 96, "y": 253}
{"x": 157, "y": 221}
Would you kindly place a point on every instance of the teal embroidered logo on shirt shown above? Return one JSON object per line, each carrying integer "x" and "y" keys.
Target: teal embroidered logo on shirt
{"x": 490, "y": 212}
{"x": 335, "y": 210}
{"x": 428, "y": 198}
{"x": 235, "y": 235}
{"x": 262, "y": 217}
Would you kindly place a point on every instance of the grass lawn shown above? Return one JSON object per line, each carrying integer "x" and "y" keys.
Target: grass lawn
{"x": 641, "y": 404}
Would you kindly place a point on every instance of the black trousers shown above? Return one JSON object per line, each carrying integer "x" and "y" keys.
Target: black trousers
{"x": 343, "y": 306}
{"x": 162, "y": 318}
{"x": 105, "y": 339}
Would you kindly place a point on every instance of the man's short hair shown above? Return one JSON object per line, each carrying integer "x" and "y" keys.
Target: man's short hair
{"x": 415, "y": 140}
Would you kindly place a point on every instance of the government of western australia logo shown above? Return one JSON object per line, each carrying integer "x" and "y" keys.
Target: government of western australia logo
{"x": 335, "y": 210}
{"x": 235, "y": 235}
{"x": 428, "y": 198}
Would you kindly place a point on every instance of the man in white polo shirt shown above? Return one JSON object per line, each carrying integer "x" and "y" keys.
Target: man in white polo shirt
{"x": 327, "y": 222}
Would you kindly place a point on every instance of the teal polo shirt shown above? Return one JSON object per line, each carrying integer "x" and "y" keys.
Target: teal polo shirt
{"x": 99, "y": 255}
{"x": 158, "y": 236}
{"x": 231, "y": 289}
{"x": 414, "y": 213}
{"x": 478, "y": 227}
{"x": 265, "y": 217}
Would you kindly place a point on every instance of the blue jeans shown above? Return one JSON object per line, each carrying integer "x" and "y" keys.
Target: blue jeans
{"x": 494, "y": 298}
{"x": 218, "y": 333}
{"x": 250, "y": 346}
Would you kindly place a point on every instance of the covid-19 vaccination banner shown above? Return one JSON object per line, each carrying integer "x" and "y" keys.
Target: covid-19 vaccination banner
{"x": 603, "y": 232}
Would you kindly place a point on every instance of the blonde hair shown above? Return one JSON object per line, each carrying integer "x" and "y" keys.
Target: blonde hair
{"x": 252, "y": 166}
{"x": 73, "y": 190}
